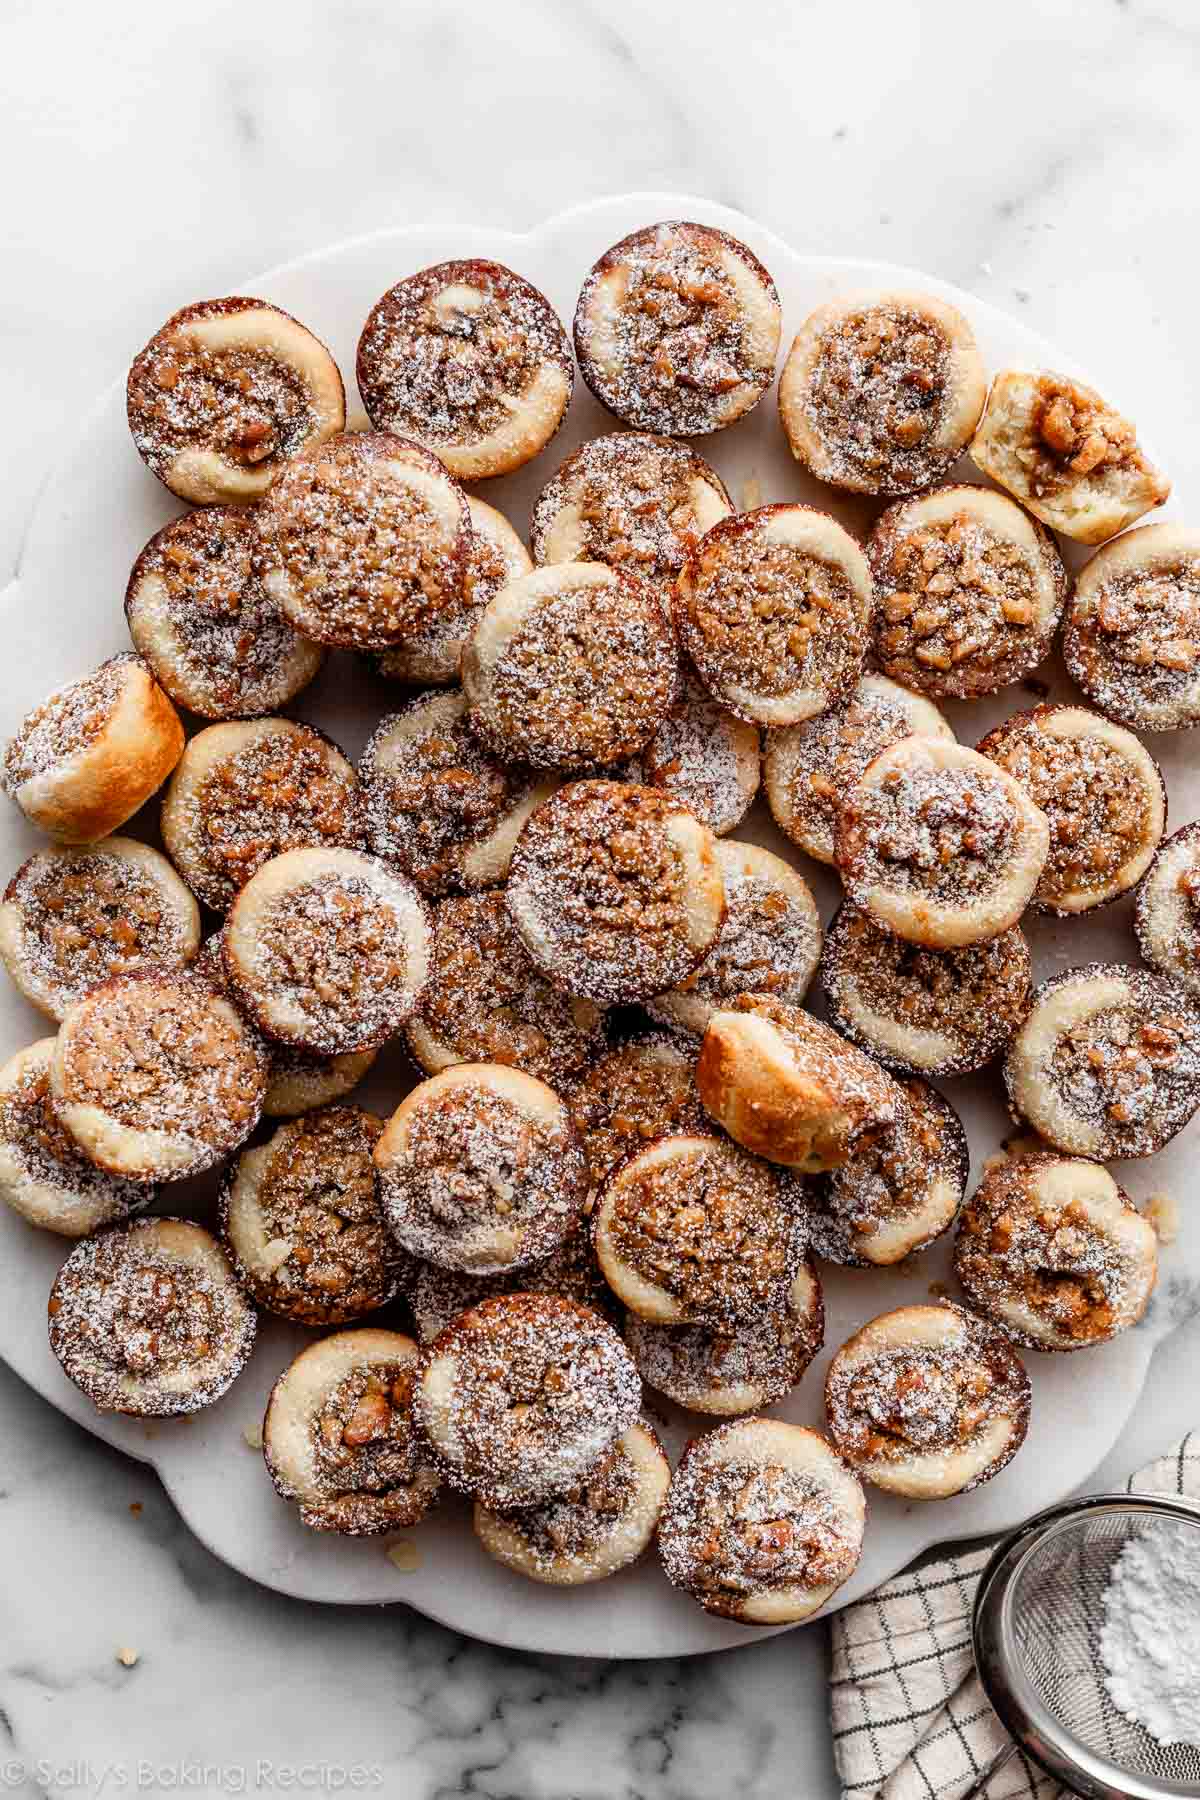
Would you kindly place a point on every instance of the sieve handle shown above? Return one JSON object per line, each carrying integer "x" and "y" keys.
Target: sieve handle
{"x": 981, "y": 1783}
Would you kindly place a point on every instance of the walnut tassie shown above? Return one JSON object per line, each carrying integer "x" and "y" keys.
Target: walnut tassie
{"x": 198, "y": 612}
{"x": 1067, "y": 455}
{"x": 83, "y": 762}
{"x": 772, "y": 607}
{"x": 616, "y": 891}
{"x": 1102, "y": 793}
{"x": 327, "y": 950}
{"x": 770, "y": 942}
{"x": 733, "y": 1369}
{"x": 365, "y": 540}
{"x": 763, "y": 1522}
{"x": 695, "y": 1231}
{"x": 1055, "y": 1253}
{"x": 338, "y": 1435}
{"x": 572, "y": 667}
{"x": 147, "y": 1319}
{"x": 480, "y": 1169}
{"x": 927, "y": 1401}
{"x": 438, "y": 803}
{"x": 522, "y": 1397}
{"x": 156, "y": 1075}
{"x": 1107, "y": 1061}
{"x": 808, "y": 767}
{"x": 247, "y": 789}
{"x": 470, "y": 360}
{"x": 598, "y": 1527}
{"x": 44, "y": 1176}
{"x": 921, "y": 1011}
{"x": 225, "y": 393}
{"x": 881, "y": 391}
{"x": 677, "y": 329}
{"x": 1132, "y": 634}
{"x": 642, "y": 1090}
{"x": 431, "y": 653}
{"x": 939, "y": 844}
{"x": 786, "y": 1087}
{"x": 705, "y": 758}
{"x": 71, "y": 917}
{"x": 968, "y": 591}
{"x": 1167, "y": 916}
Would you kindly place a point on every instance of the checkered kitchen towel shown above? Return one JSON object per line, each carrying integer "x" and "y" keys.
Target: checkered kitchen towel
{"x": 910, "y": 1720}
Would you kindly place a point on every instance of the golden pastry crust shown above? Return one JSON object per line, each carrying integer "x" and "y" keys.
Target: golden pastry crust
{"x": 704, "y": 757}
{"x": 44, "y": 1175}
{"x": 247, "y": 790}
{"x": 339, "y": 1439}
{"x": 571, "y": 667}
{"x": 596, "y": 1528}
{"x": 1067, "y": 455}
{"x": 939, "y": 844}
{"x": 809, "y": 766}
{"x": 327, "y": 950}
{"x": 642, "y": 1090}
{"x": 770, "y": 942}
{"x": 71, "y": 917}
{"x": 198, "y": 612}
{"x": 773, "y": 607}
{"x": 523, "y": 1396}
{"x": 677, "y": 329}
{"x": 147, "y": 1319}
{"x": 615, "y": 890}
{"x": 927, "y": 1401}
{"x": 786, "y": 1087}
{"x": 470, "y": 360}
{"x": 969, "y": 591}
{"x": 1055, "y": 1253}
{"x": 1132, "y": 634}
{"x": 365, "y": 541}
{"x": 763, "y": 1522}
{"x": 881, "y": 391}
{"x": 432, "y": 653}
{"x": 629, "y": 499}
{"x": 225, "y": 394}
{"x": 84, "y": 761}
{"x": 1167, "y": 916}
{"x": 1102, "y": 793}
{"x": 480, "y": 1169}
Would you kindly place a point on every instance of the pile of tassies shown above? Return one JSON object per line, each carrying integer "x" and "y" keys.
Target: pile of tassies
{"x": 632, "y": 1142}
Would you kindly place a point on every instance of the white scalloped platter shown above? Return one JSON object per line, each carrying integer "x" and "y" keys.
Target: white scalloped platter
{"x": 64, "y": 614}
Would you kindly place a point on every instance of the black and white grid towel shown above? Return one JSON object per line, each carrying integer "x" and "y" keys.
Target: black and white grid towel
{"x": 910, "y": 1720}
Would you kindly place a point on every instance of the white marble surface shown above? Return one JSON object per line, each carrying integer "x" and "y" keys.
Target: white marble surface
{"x": 154, "y": 154}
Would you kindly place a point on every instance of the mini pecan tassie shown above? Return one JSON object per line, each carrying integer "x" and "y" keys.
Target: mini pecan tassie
{"x": 438, "y": 802}
{"x": 763, "y": 1521}
{"x": 1167, "y": 917}
{"x": 44, "y": 1175}
{"x": 339, "y": 1440}
{"x": 772, "y": 607}
{"x": 923, "y": 1011}
{"x": 147, "y": 1318}
{"x": 808, "y": 767}
{"x": 1055, "y": 1253}
{"x": 247, "y": 790}
{"x": 225, "y": 393}
{"x": 880, "y": 392}
{"x": 642, "y": 1090}
{"x": 436, "y": 1296}
{"x": 1102, "y": 793}
{"x": 1107, "y": 1061}
{"x": 677, "y": 329}
{"x": 704, "y": 757}
{"x": 1066, "y": 454}
{"x": 968, "y": 592}
{"x": 1132, "y": 633}
{"x": 927, "y": 1401}
{"x": 302, "y": 1219}
{"x": 939, "y": 844}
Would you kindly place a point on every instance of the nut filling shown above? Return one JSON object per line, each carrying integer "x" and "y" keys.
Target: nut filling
{"x": 367, "y": 1455}
{"x": 1073, "y": 434}
{"x": 736, "y": 1529}
{"x": 878, "y": 395}
{"x": 240, "y": 399}
{"x": 579, "y": 1522}
{"x": 705, "y": 758}
{"x": 1135, "y": 648}
{"x": 732, "y": 1369}
{"x": 939, "y": 833}
{"x": 642, "y": 1091}
{"x": 438, "y": 1295}
{"x": 42, "y": 1154}
{"x": 1126, "y": 1071}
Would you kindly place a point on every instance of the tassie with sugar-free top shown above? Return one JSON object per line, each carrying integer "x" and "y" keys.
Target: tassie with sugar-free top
{"x": 881, "y": 391}
{"x": 469, "y": 359}
{"x": 677, "y": 329}
{"x": 225, "y": 394}
{"x": 1132, "y": 634}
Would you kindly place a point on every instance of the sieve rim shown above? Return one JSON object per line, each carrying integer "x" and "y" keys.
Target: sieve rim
{"x": 1030, "y": 1723}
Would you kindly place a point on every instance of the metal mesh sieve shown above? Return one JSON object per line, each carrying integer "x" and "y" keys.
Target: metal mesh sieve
{"x": 1038, "y": 1617}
